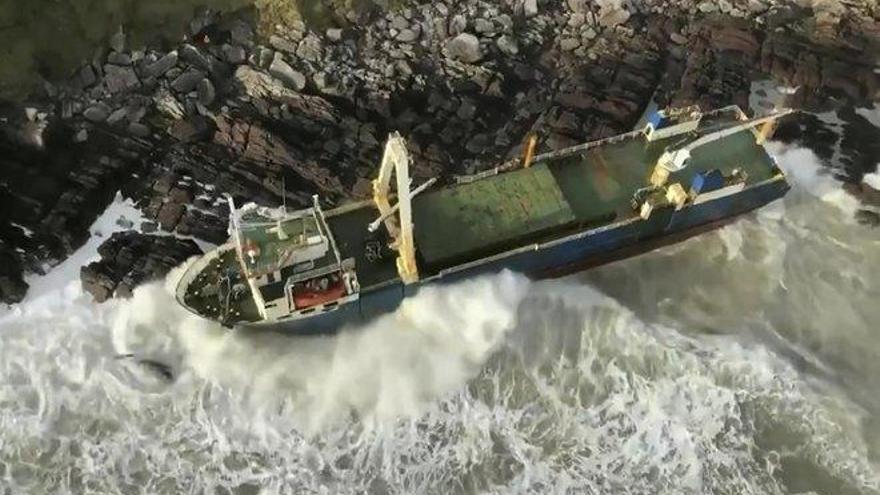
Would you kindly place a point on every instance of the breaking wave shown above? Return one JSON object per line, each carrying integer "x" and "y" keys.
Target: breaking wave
{"x": 742, "y": 361}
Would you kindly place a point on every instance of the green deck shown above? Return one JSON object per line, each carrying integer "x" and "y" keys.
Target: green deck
{"x": 458, "y": 222}
{"x": 587, "y": 189}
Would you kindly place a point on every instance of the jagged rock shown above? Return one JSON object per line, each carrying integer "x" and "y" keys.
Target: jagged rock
{"x": 484, "y": 26}
{"x": 282, "y": 45}
{"x": 139, "y": 130}
{"x": 464, "y": 47}
{"x": 612, "y": 13}
{"x": 194, "y": 128}
{"x": 168, "y": 105}
{"x": 129, "y": 259}
{"x": 97, "y": 112}
{"x": 457, "y": 25}
{"x": 12, "y": 285}
{"x": 118, "y": 78}
{"x": 117, "y": 41}
{"x": 530, "y": 8}
{"x": 117, "y": 58}
{"x": 187, "y": 81}
{"x": 161, "y": 66}
{"x": 407, "y": 35}
{"x": 116, "y": 116}
{"x": 206, "y": 92}
{"x": 193, "y": 56}
{"x": 86, "y": 76}
{"x": 291, "y": 78}
{"x": 569, "y": 44}
{"x": 310, "y": 49}
{"x": 334, "y": 34}
{"x": 868, "y": 217}
{"x": 234, "y": 54}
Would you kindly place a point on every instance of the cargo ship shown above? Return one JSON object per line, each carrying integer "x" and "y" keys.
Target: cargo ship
{"x": 313, "y": 271}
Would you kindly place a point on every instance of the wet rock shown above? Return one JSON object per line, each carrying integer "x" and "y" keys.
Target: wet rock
{"x": 117, "y": 40}
{"x": 195, "y": 128}
{"x": 234, "y": 54}
{"x": 97, "y": 112}
{"x": 12, "y": 285}
{"x": 167, "y": 104}
{"x": 464, "y": 47}
{"x": 291, "y": 78}
{"x": 868, "y": 217}
{"x": 193, "y": 56}
{"x": 117, "y": 58}
{"x": 139, "y": 130}
{"x": 206, "y": 92}
{"x": 129, "y": 259}
{"x": 86, "y": 76}
{"x": 162, "y": 65}
{"x": 187, "y": 81}
{"x": 116, "y": 116}
{"x": 118, "y": 79}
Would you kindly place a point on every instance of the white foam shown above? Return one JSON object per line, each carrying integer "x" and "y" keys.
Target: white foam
{"x": 872, "y": 179}
{"x": 494, "y": 385}
{"x": 805, "y": 171}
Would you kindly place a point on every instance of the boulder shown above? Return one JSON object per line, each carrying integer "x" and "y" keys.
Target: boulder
{"x": 508, "y": 45}
{"x": 97, "y": 112}
{"x": 464, "y": 47}
{"x": 291, "y": 78}
{"x": 206, "y": 92}
{"x": 187, "y": 81}
{"x": 161, "y": 66}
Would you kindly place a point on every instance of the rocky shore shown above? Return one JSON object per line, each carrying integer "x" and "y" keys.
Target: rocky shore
{"x": 228, "y": 110}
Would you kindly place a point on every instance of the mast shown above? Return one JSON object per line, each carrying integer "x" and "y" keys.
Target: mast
{"x": 239, "y": 251}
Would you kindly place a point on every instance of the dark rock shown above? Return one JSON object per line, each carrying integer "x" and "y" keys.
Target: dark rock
{"x": 187, "y": 81}
{"x": 169, "y": 215}
{"x": 117, "y": 116}
{"x": 97, "y": 112}
{"x": 194, "y": 128}
{"x": 191, "y": 55}
{"x": 117, "y": 58}
{"x": 86, "y": 76}
{"x": 129, "y": 259}
{"x": 291, "y": 78}
{"x": 161, "y": 66}
{"x": 139, "y": 130}
{"x": 234, "y": 54}
{"x": 118, "y": 79}
{"x": 12, "y": 285}
{"x": 868, "y": 217}
{"x": 206, "y": 92}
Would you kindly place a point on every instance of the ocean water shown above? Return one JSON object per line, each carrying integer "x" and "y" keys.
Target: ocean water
{"x": 742, "y": 361}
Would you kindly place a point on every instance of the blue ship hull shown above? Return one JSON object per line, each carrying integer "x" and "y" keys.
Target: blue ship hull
{"x": 556, "y": 258}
